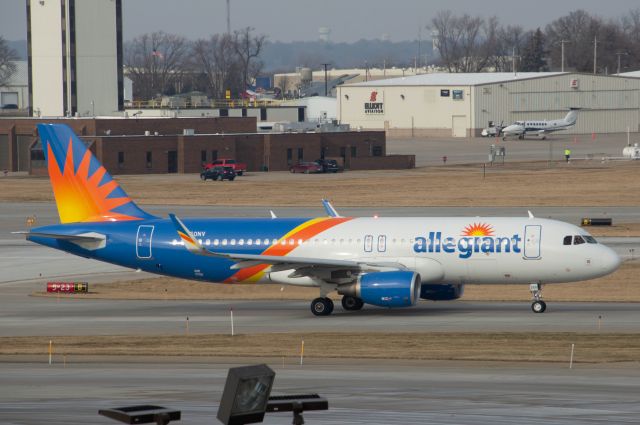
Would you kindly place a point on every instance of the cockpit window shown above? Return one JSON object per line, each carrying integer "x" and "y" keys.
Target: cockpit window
{"x": 577, "y": 240}
{"x": 590, "y": 239}
{"x": 567, "y": 240}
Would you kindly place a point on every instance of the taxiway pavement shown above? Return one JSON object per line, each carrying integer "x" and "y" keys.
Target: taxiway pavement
{"x": 359, "y": 392}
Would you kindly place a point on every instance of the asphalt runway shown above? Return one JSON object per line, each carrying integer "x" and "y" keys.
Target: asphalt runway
{"x": 381, "y": 392}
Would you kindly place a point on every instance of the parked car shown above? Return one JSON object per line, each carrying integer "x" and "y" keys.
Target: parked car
{"x": 238, "y": 167}
{"x": 306, "y": 167}
{"x": 218, "y": 173}
{"x": 328, "y": 165}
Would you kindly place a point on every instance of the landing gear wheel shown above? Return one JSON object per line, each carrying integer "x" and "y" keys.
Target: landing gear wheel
{"x": 538, "y": 306}
{"x": 350, "y": 303}
{"x": 322, "y": 306}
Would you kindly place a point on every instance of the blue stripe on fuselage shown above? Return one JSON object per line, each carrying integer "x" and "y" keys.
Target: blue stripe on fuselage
{"x": 168, "y": 257}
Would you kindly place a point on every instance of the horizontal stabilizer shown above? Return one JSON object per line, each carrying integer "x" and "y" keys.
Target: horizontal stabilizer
{"x": 89, "y": 241}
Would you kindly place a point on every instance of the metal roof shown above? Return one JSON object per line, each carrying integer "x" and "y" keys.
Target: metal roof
{"x": 456, "y": 79}
{"x": 634, "y": 74}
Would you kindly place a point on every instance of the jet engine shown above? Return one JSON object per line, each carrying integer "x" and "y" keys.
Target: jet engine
{"x": 385, "y": 289}
{"x": 441, "y": 292}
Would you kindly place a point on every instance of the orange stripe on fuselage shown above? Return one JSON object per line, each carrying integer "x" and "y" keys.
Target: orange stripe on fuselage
{"x": 304, "y": 232}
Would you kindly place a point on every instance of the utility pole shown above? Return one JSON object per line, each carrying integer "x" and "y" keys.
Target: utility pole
{"x": 562, "y": 42}
{"x": 228, "y": 16}
{"x": 513, "y": 60}
{"x": 595, "y": 54}
{"x": 326, "y": 90}
{"x": 620, "y": 54}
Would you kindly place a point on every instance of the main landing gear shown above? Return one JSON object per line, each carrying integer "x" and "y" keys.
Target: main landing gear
{"x": 537, "y": 306}
{"x": 323, "y": 306}
{"x": 350, "y": 303}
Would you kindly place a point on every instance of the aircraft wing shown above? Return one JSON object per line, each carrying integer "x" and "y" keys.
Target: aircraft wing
{"x": 249, "y": 260}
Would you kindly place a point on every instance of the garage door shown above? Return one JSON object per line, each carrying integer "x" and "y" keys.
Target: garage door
{"x": 24, "y": 142}
{"x": 4, "y": 152}
{"x": 9, "y": 98}
{"x": 459, "y": 126}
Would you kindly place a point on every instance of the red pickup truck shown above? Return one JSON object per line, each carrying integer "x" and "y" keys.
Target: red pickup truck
{"x": 238, "y": 167}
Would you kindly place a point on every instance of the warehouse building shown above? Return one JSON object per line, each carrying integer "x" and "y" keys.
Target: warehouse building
{"x": 182, "y": 145}
{"x": 461, "y": 105}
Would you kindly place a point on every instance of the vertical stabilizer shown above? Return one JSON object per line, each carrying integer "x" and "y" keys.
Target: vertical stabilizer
{"x": 572, "y": 116}
{"x": 83, "y": 188}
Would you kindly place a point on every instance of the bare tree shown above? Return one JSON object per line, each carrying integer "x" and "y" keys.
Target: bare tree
{"x": 462, "y": 41}
{"x": 248, "y": 48}
{"x": 155, "y": 62}
{"x": 7, "y": 56}
{"x": 580, "y": 30}
{"x": 216, "y": 57}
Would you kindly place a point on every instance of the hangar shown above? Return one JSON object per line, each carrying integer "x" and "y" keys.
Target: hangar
{"x": 461, "y": 105}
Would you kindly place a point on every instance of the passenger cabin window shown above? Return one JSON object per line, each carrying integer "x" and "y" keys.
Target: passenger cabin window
{"x": 577, "y": 240}
{"x": 567, "y": 240}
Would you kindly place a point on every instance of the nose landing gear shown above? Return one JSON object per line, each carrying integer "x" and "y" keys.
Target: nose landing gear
{"x": 537, "y": 306}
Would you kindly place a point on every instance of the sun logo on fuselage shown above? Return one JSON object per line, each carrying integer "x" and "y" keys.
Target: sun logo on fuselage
{"x": 478, "y": 229}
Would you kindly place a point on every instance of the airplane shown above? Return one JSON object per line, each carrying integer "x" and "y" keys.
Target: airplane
{"x": 381, "y": 261}
{"x": 540, "y": 127}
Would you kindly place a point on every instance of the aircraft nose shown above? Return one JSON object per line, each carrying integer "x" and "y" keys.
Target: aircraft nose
{"x": 609, "y": 260}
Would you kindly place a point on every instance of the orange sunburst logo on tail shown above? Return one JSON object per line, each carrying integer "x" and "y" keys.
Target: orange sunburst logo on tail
{"x": 81, "y": 197}
{"x": 478, "y": 229}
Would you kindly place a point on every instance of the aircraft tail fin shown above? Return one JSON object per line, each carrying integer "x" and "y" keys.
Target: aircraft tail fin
{"x": 572, "y": 116}
{"x": 83, "y": 189}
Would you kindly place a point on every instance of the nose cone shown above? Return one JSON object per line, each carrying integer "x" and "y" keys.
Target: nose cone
{"x": 608, "y": 260}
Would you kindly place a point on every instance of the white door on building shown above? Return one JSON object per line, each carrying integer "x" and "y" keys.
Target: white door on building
{"x": 459, "y": 126}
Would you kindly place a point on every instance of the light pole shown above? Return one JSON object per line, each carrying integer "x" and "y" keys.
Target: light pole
{"x": 325, "y": 79}
{"x": 595, "y": 54}
{"x": 620, "y": 54}
{"x": 562, "y": 42}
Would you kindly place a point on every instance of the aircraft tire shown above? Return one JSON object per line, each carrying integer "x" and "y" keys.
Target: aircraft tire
{"x": 538, "y": 306}
{"x": 322, "y": 306}
{"x": 350, "y": 303}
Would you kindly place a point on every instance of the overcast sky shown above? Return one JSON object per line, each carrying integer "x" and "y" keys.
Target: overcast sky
{"x": 299, "y": 20}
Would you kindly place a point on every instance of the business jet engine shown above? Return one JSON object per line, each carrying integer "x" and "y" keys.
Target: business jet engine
{"x": 385, "y": 289}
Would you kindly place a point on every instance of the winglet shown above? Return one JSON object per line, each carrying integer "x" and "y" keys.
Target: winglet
{"x": 190, "y": 241}
{"x": 273, "y": 215}
{"x": 530, "y": 215}
{"x": 331, "y": 212}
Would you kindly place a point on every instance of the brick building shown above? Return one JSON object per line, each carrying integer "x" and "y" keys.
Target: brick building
{"x": 182, "y": 145}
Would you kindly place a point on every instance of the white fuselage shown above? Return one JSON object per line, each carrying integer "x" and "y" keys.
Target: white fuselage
{"x": 462, "y": 250}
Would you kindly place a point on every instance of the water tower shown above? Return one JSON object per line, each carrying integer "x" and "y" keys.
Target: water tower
{"x": 324, "y": 34}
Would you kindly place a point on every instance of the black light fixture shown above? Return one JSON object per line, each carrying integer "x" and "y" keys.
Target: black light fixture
{"x": 144, "y": 414}
{"x": 246, "y": 394}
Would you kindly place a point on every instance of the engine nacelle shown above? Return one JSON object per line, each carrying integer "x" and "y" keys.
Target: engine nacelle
{"x": 385, "y": 289}
{"x": 441, "y": 292}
